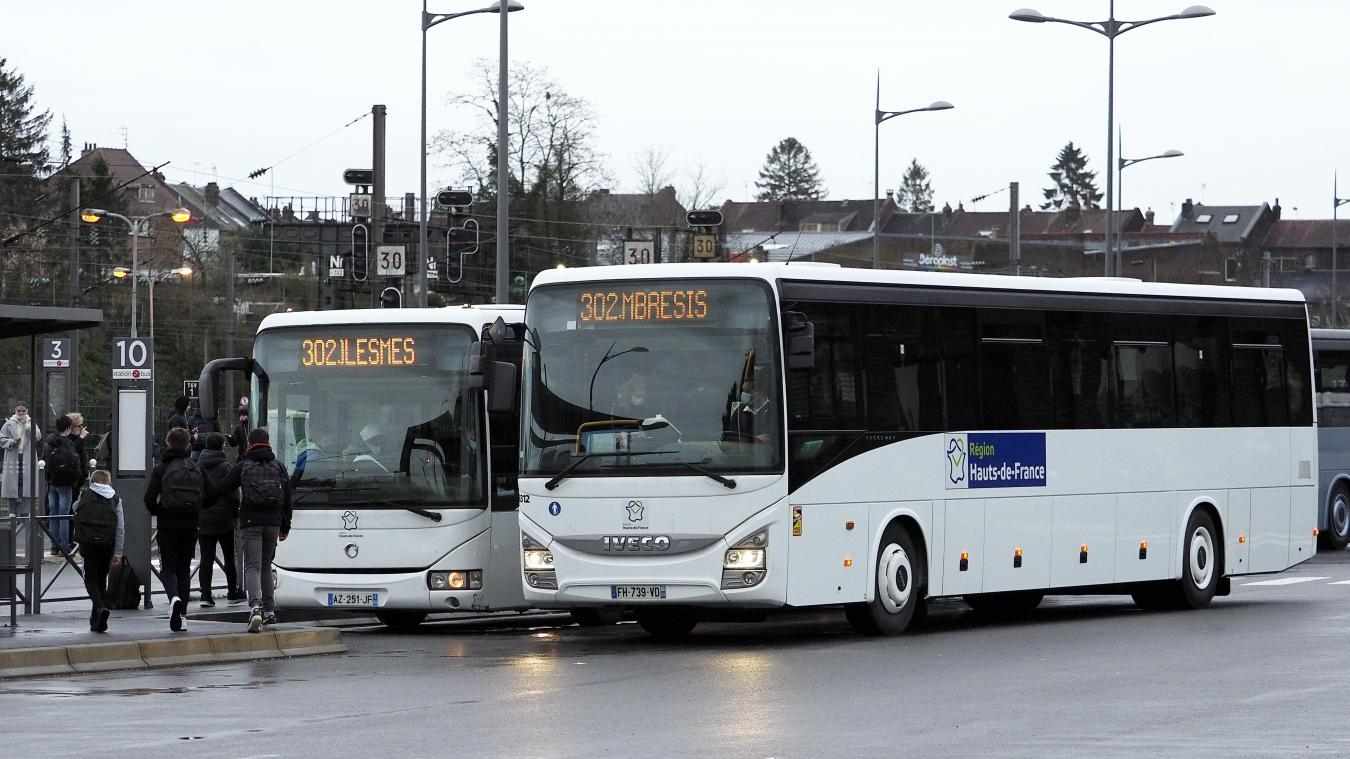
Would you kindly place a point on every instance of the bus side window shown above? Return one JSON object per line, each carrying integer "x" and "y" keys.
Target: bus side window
{"x": 1333, "y": 388}
{"x": 1202, "y": 399}
{"x": 1014, "y": 371}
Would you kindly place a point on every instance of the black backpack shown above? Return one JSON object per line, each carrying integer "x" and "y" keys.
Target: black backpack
{"x": 124, "y": 587}
{"x": 262, "y": 485}
{"x": 96, "y": 520}
{"x": 62, "y": 462}
{"x": 181, "y": 487}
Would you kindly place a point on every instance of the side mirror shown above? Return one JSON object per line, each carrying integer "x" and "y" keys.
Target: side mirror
{"x": 502, "y": 387}
{"x": 801, "y": 341}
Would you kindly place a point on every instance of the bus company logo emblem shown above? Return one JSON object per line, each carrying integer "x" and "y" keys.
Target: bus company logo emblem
{"x": 555, "y": 508}
{"x": 635, "y": 511}
{"x": 352, "y": 550}
{"x": 956, "y": 461}
{"x": 350, "y": 520}
{"x": 635, "y": 543}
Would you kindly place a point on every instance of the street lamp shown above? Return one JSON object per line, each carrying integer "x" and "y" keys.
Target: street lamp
{"x": 1336, "y": 202}
{"x": 1121, "y": 164}
{"x": 879, "y": 116}
{"x": 1110, "y": 29}
{"x": 139, "y": 225}
{"x": 429, "y": 20}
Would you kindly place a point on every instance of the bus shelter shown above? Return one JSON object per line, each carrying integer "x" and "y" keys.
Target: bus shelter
{"x": 52, "y": 358}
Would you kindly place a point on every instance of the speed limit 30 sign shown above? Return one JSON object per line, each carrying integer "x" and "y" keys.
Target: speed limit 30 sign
{"x": 133, "y": 358}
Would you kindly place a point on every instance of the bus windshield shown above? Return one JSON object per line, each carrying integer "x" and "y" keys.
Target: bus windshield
{"x": 652, "y": 378}
{"x": 373, "y": 415}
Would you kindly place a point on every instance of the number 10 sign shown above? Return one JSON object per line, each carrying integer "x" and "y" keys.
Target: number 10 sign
{"x": 133, "y": 358}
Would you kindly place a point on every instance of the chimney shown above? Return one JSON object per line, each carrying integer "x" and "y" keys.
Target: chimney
{"x": 409, "y": 207}
{"x": 1188, "y": 210}
{"x": 1149, "y": 217}
{"x": 1277, "y": 210}
{"x": 212, "y": 194}
{"x": 89, "y": 147}
{"x": 890, "y": 196}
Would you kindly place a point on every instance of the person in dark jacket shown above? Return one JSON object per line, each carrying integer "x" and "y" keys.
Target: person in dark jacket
{"x": 215, "y": 526}
{"x": 179, "y": 416}
{"x": 195, "y": 422}
{"x": 63, "y": 469}
{"x": 264, "y": 518}
{"x": 78, "y": 434}
{"x": 174, "y": 496}
{"x": 100, "y": 526}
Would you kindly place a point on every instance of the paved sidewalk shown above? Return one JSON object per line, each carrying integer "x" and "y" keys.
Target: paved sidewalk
{"x": 61, "y": 643}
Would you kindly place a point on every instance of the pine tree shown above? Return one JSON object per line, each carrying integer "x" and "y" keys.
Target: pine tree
{"x": 916, "y": 191}
{"x": 23, "y": 147}
{"x": 789, "y": 173}
{"x": 67, "y": 148}
{"x": 1075, "y": 187}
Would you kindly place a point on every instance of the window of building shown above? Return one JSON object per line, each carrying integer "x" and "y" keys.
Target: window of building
{"x": 1231, "y": 218}
{"x": 145, "y": 193}
{"x": 1204, "y": 218}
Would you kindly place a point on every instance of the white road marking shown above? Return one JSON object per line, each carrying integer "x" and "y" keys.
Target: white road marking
{"x": 1283, "y": 581}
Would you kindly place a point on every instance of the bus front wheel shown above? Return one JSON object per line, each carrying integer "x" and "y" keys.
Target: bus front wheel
{"x": 401, "y": 621}
{"x": 1337, "y": 534}
{"x": 897, "y": 587}
{"x": 667, "y": 624}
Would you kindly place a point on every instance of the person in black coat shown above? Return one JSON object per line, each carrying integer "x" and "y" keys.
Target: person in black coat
{"x": 174, "y": 496}
{"x": 215, "y": 525}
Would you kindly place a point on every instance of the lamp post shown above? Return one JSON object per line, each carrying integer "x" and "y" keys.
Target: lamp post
{"x": 1111, "y": 28}
{"x": 878, "y": 116}
{"x": 139, "y": 225}
{"x": 429, "y": 20}
{"x": 1121, "y": 164}
{"x": 1336, "y": 202}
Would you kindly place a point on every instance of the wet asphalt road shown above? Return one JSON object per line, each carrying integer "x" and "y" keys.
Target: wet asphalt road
{"x": 1264, "y": 672}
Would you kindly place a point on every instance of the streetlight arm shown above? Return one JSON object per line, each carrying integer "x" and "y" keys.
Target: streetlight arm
{"x": 1127, "y": 26}
{"x": 432, "y": 19}
{"x": 1100, "y": 27}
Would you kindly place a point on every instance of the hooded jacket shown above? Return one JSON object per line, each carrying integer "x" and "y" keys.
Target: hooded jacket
{"x": 107, "y": 492}
{"x": 219, "y": 512}
{"x": 252, "y": 514}
{"x": 168, "y": 520}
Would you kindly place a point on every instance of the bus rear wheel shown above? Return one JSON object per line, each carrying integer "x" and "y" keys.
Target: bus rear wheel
{"x": 1201, "y": 569}
{"x": 897, "y": 587}
{"x": 1337, "y": 534}
{"x": 667, "y": 625}
{"x": 401, "y": 621}
{"x": 1006, "y": 605}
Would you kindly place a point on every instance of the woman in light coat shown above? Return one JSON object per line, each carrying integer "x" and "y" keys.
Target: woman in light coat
{"x": 18, "y": 438}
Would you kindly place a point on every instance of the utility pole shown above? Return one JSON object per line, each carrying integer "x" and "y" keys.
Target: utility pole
{"x": 377, "y": 195}
{"x": 503, "y": 232}
{"x": 1014, "y": 229}
{"x": 73, "y": 395}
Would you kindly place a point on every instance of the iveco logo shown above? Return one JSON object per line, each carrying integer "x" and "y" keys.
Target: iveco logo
{"x": 635, "y": 543}
{"x": 352, "y": 550}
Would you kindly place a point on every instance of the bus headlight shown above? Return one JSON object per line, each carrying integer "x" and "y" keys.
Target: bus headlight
{"x": 538, "y": 563}
{"x": 744, "y": 564}
{"x": 456, "y": 579}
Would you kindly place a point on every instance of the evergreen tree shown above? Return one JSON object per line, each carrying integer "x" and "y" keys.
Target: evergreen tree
{"x": 1075, "y": 187}
{"x": 23, "y": 148}
{"x": 67, "y": 148}
{"x": 789, "y": 173}
{"x": 916, "y": 191}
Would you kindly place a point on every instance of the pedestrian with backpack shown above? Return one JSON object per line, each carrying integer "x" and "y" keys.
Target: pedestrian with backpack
{"x": 264, "y": 519}
{"x": 216, "y": 524}
{"x": 100, "y": 528}
{"x": 174, "y": 496}
{"x": 65, "y": 471}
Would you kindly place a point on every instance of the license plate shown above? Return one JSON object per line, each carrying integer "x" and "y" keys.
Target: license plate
{"x": 346, "y": 598}
{"x": 637, "y": 592}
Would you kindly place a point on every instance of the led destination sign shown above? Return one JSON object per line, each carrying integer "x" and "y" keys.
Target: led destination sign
{"x": 344, "y": 352}
{"x": 647, "y": 305}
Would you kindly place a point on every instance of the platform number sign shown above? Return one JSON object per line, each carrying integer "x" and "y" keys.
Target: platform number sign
{"x": 56, "y": 353}
{"x": 637, "y": 251}
{"x": 390, "y": 260}
{"x": 133, "y": 358}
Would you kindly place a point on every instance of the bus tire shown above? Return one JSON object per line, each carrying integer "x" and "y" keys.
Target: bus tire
{"x": 1005, "y": 605}
{"x": 401, "y": 621}
{"x": 898, "y": 587}
{"x": 1337, "y": 534}
{"x": 1201, "y": 562}
{"x": 668, "y": 624}
{"x": 596, "y": 617}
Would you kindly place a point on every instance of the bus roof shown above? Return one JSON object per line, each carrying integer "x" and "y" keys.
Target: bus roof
{"x": 472, "y": 316}
{"x": 815, "y": 272}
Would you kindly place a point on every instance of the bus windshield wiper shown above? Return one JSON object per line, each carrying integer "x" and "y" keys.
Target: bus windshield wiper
{"x": 697, "y": 466}
{"x": 560, "y": 476}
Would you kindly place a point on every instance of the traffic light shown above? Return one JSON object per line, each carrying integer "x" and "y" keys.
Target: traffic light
{"x": 391, "y": 297}
{"x": 359, "y": 176}
{"x": 454, "y": 198}
{"x": 464, "y": 240}
{"x": 708, "y": 218}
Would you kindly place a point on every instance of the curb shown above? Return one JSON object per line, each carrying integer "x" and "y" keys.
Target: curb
{"x": 168, "y": 652}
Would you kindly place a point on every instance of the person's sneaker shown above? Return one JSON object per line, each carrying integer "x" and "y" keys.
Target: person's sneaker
{"x": 255, "y": 621}
{"x": 176, "y": 609}
{"x": 269, "y": 618}
{"x": 103, "y": 615}
{"x": 235, "y": 596}
{"x": 208, "y": 602}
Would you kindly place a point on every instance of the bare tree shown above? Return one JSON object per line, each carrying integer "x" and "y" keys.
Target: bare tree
{"x": 700, "y": 189}
{"x": 653, "y": 174}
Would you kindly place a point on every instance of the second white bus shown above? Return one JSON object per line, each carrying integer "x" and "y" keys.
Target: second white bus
{"x": 710, "y": 437}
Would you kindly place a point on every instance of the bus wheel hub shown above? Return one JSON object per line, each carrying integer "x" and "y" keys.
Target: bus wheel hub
{"x": 894, "y": 575}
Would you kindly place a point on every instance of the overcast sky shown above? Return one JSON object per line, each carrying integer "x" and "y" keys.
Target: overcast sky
{"x": 1254, "y": 95}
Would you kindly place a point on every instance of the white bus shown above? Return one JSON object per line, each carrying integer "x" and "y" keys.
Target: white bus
{"x": 1331, "y": 368}
{"x": 703, "y": 436}
{"x": 403, "y": 467}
